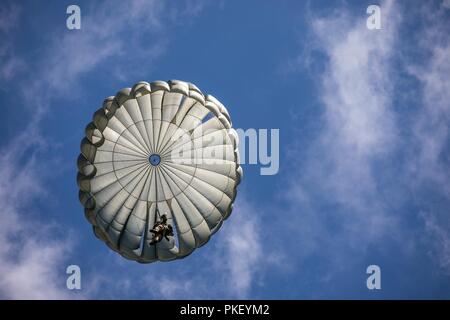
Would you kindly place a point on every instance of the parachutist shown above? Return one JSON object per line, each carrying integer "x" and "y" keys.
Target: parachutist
{"x": 161, "y": 229}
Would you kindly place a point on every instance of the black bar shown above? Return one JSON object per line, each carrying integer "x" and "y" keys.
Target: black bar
{"x": 222, "y": 309}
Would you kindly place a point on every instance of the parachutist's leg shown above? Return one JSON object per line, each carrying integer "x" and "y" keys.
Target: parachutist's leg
{"x": 167, "y": 238}
{"x": 152, "y": 231}
{"x": 157, "y": 238}
{"x": 154, "y": 240}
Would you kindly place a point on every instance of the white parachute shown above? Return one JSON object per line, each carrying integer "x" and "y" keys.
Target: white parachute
{"x": 158, "y": 148}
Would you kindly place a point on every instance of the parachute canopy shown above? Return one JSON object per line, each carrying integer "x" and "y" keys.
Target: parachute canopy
{"x": 158, "y": 148}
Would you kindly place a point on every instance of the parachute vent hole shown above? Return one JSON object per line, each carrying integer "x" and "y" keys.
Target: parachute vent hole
{"x": 154, "y": 159}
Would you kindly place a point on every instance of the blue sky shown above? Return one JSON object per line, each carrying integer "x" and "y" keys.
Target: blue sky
{"x": 364, "y": 127}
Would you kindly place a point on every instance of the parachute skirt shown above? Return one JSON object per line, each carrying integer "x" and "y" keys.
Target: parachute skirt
{"x": 158, "y": 148}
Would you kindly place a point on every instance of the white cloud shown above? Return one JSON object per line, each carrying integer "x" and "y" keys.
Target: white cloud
{"x": 440, "y": 240}
{"x": 430, "y": 168}
{"x": 343, "y": 198}
{"x": 241, "y": 252}
{"x": 338, "y": 167}
{"x": 134, "y": 32}
{"x": 178, "y": 288}
{"x": 31, "y": 263}
{"x": 235, "y": 261}
{"x": 30, "y": 259}
{"x": 356, "y": 84}
{"x": 231, "y": 265}
{"x": 431, "y": 126}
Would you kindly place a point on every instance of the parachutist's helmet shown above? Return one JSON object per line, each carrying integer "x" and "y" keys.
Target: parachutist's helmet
{"x": 164, "y": 218}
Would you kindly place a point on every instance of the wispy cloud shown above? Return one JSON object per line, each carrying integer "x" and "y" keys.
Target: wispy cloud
{"x": 9, "y": 17}
{"x": 339, "y": 169}
{"x": 367, "y": 160}
{"x": 431, "y": 128}
{"x": 31, "y": 258}
{"x": 430, "y": 167}
{"x": 230, "y": 266}
{"x": 236, "y": 260}
{"x": 10, "y": 63}
{"x": 133, "y": 32}
{"x": 353, "y": 185}
{"x": 243, "y": 250}
{"x": 439, "y": 236}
